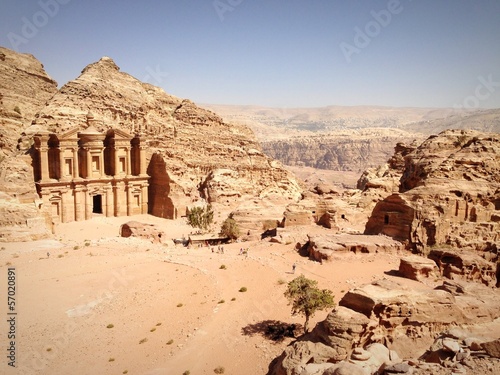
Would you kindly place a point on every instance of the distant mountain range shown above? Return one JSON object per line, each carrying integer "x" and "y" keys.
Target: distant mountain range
{"x": 349, "y": 138}
{"x": 269, "y": 123}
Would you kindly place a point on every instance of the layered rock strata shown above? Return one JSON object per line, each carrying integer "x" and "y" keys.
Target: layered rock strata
{"x": 24, "y": 89}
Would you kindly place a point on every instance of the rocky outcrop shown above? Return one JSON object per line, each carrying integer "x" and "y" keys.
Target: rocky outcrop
{"x": 404, "y": 321}
{"x": 449, "y": 195}
{"x": 144, "y": 231}
{"x": 344, "y": 151}
{"x": 466, "y": 265}
{"x": 417, "y": 268}
{"x": 24, "y": 89}
{"x": 324, "y": 247}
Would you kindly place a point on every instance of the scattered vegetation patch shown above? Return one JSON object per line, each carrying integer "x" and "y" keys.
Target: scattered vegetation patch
{"x": 233, "y": 299}
{"x": 87, "y": 243}
{"x": 170, "y": 342}
{"x": 17, "y": 109}
{"x": 281, "y": 282}
{"x": 60, "y": 256}
{"x": 49, "y": 349}
{"x": 125, "y": 372}
{"x": 152, "y": 329}
{"x": 111, "y": 360}
{"x": 180, "y": 305}
{"x": 158, "y": 324}
{"x": 219, "y": 370}
{"x": 221, "y": 301}
{"x": 110, "y": 325}
{"x": 143, "y": 340}
{"x": 269, "y": 225}
{"x": 187, "y": 372}
{"x": 243, "y": 289}
{"x": 222, "y": 267}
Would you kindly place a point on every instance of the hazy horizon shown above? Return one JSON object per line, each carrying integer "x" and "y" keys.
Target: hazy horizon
{"x": 275, "y": 54}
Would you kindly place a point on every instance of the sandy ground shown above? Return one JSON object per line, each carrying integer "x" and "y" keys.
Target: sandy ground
{"x": 109, "y": 305}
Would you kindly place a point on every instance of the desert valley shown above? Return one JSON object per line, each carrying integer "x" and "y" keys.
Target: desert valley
{"x": 396, "y": 211}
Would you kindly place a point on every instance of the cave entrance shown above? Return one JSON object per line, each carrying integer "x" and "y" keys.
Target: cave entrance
{"x": 97, "y": 204}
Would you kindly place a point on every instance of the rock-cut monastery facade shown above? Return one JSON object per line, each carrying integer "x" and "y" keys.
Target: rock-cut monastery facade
{"x": 81, "y": 173}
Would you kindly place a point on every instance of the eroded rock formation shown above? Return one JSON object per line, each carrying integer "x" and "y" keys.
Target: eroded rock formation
{"x": 449, "y": 194}
{"x": 24, "y": 89}
{"x": 404, "y": 321}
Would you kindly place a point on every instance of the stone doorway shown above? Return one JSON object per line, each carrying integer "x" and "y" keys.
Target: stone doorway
{"x": 97, "y": 204}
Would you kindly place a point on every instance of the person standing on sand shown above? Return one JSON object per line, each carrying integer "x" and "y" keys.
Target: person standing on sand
{"x": 293, "y": 267}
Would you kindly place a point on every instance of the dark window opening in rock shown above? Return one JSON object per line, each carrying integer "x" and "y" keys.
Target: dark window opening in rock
{"x": 342, "y": 216}
{"x": 314, "y": 212}
{"x": 97, "y": 204}
{"x": 386, "y": 219}
{"x": 473, "y": 215}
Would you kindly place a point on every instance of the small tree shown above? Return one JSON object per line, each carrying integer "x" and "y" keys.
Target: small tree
{"x": 230, "y": 228}
{"x": 200, "y": 217}
{"x": 306, "y": 298}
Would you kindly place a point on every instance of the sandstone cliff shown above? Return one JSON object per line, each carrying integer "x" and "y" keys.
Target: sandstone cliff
{"x": 449, "y": 194}
{"x": 192, "y": 154}
{"x": 24, "y": 89}
{"x": 354, "y": 150}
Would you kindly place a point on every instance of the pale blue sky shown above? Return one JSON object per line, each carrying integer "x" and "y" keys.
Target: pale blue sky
{"x": 277, "y": 53}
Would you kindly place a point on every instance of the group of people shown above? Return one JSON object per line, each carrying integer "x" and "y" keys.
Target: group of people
{"x": 220, "y": 249}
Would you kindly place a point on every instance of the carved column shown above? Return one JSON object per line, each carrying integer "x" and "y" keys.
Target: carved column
{"x": 64, "y": 206}
{"x": 61, "y": 164}
{"x": 79, "y": 206}
{"x": 117, "y": 161}
{"x": 102, "y": 172}
{"x": 129, "y": 199}
{"x": 76, "y": 167}
{"x": 44, "y": 159}
{"x": 88, "y": 206}
{"x": 142, "y": 158}
{"x": 117, "y": 198}
{"x": 144, "y": 203}
{"x": 89, "y": 162}
{"x": 109, "y": 202}
{"x": 129, "y": 162}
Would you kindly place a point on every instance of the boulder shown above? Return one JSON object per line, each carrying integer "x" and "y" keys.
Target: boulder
{"x": 144, "y": 231}
{"x": 492, "y": 348}
{"x": 417, "y": 268}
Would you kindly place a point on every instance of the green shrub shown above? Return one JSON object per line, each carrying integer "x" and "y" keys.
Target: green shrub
{"x": 219, "y": 370}
{"x": 200, "y": 217}
{"x": 269, "y": 224}
{"x": 230, "y": 228}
